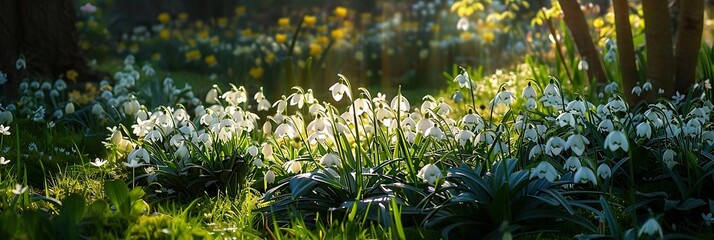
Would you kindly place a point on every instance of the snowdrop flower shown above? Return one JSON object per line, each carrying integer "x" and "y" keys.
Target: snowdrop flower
{"x": 329, "y": 160}
{"x": 464, "y": 80}
{"x": 606, "y": 126}
{"x": 617, "y": 106}
{"x": 707, "y": 84}
{"x": 270, "y": 177}
{"x": 554, "y": 146}
{"x": 531, "y": 104}
{"x": 462, "y": 24}
{"x": 668, "y": 158}
{"x": 212, "y": 95}
{"x": 4, "y": 130}
{"x": 4, "y": 161}
{"x": 138, "y": 155}
{"x": 584, "y": 175}
{"x": 98, "y": 162}
{"x": 504, "y": 96}
{"x": 252, "y": 151}
{"x": 430, "y": 173}
{"x": 132, "y": 106}
{"x": 19, "y": 189}
{"x": 545, "y": 170}
{"x": 572, "y": 164}
{"x": 292, "y": 166}
{"x": 677, "y": 98}
{"x": 577, "y": 143}
{"x": 529, "y": 92}
{"x": 617, "y": 140}
{"x": 458, "y": 97}
{"x": 435, "y": 132}
{"x": 20, "y": 63}
{"x": 464, "y": 136}
{"x": 339, "y": 90}
{"x": 644, "y": 130}
{"x": 400, "y": 103}
{"x": 647, "y": 86}
{"x": 650, "y": 227}
{"x": 566, "y": 119}
{"x": 133, "y": 163}
{"x": 708, "y": 218}
{"x": 637, "y": 90}
{"x": 258, "y": 163}
{"x": 583, "y": 65}
{"x": 488, "y": 137}
{"x": 604, "y": 171}
{"x": 69, "y": 108}
{"x": 535, "y": 151}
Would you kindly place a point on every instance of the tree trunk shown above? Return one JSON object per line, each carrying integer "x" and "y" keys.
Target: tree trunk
{"x": 625, "y": 50}
{"x": 689, "y": 37}
{"x": 44, "y": 33}
{"x": 579, "y": 29}
{"x": 658, "y": 38}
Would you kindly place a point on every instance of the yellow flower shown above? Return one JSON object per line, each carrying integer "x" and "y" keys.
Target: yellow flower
{"x": 183, "y": 16}
{"x": 222, "y": 22}
{"x": 466, "y": 35}
{"x": 156, "y": 57}
{"x": 121, "y": 47}
{"x": 598, "y": 23}
{"x": 488, "y": 37}
{"x": 246, "y": 32}
{"x": 72, "y": 75}
{"x": 215, "y": 40}
{"x": 240, "y": 10}
{"x": 281, "y": 38}
{"x": 284, "y": 22}
{"x": 164, "y": 17}
{"x": 309, "y": 21}
{"x": 256, "y": 72}
{"x": 193, "y": 55}
{"x": 134, "y": 48}
{"x": 315, "y": 49}
{"x": 270, "y": 58}
{"x": 340, "y": 11}
{"x": 191, "y": 42}
{"x": 337, "y": 34}
{"x": 203, "y": 34}
{"x": 322, "y": 29}
{"x": 210, "y": 60}
{"x": 165, "y": 34}
{"x": 322, "y": 40}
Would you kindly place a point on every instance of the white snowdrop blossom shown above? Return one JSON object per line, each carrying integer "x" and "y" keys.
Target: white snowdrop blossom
{"x": 430, "y": 173}
{"x": 572, "y": 164}
{"x": 98, "y": 162}
{"x": 554, "y": 146}
{"x": 4, "y": 161}
{"x": 617, "y": 140}
{"x": 339, "y": 90}
{"x": 329, "y": 160}
{"x": 584, "y": 175}
{"x": 577, "y": 143}
{"x": 293, "y": 166}
{"x": 270, "y": 177}
{"x": 545, "y": 170}
{"x": 604, "y": 171}
{"x": 19, "y": 189}
{"x": 650, "y": 227}
{"x": 644, "y": 130}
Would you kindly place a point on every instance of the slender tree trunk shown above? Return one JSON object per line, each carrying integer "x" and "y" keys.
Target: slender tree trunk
{"x": 658, "y": 37}
{"x": 579, "y": 29}
{"x": 44, "y": 33}
{"x": 689, "y": 39}
{"x": 626, "y": 50}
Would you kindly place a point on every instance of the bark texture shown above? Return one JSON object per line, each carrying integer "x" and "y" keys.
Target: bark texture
{"x": 575, "y": 20}
{"x": 689, "y": 39}
{"x": 44, "y": 33}
{"x": 626, "y": 50}
{"x": 658, "y": 38}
